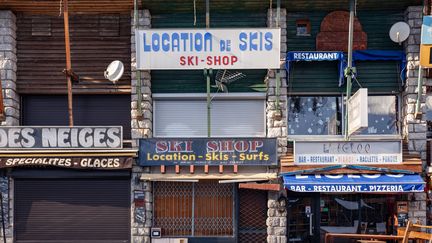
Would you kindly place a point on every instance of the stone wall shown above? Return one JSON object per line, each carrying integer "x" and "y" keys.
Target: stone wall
{"x": 277, "y": 128}
{"x": 142, "y": 118}
{"x": 8, "y": 68}
{"x": 414, "y": 129}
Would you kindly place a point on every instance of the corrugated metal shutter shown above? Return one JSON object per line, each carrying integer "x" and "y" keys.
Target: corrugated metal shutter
{"x": 94, "y": 110}
{"x": 96, "y": 40}
{"x": 188, "y": 118}
{"x": 322, "y": 77}
{"x": 193, "y": 81}
{"x": 72, "y": 210}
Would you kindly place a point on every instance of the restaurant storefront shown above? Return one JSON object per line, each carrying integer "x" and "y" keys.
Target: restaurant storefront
{"x": 372, "y": 195}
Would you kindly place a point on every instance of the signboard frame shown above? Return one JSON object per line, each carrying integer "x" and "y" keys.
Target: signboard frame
{"x": 39, "y": 136}
{"x": 197, "y": 148}
{"x": 230, "y": 48}
{"x": 357, "y": 108}
{"x": 344, "y": 158}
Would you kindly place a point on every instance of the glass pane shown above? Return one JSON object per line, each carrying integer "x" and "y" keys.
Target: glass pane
{"x": 382, "y": 115}
{"x": 378, "y": 214}
{"x": 339, "y": 213}
{"x": 314, "y": 115}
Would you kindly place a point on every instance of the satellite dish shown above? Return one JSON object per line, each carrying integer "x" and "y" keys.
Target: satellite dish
{"x": 399, "y": 32}
{"x": 114, "y": 71}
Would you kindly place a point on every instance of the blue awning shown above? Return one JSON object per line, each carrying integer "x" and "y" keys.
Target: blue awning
{"x": 369, "y": 183}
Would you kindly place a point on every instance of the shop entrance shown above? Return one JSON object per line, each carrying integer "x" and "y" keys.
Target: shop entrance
{"x": 312, "y": 215}
{"x": 303, "y": 217}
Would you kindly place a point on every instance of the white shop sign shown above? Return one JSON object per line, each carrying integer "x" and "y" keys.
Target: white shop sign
{"x": 358, "y": 111}
{"x": 257, "y": 48}
{"x": 335, "y": 152}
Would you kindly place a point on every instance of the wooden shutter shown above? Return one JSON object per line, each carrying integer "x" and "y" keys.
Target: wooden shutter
{"x": 72, "y": 210}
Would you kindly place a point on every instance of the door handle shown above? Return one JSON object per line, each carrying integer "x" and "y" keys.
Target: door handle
{"x": 311, "y": 224}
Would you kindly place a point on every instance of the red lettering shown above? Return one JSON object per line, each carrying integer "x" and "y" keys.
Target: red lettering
{"x": 175, "y": 146}
{"x": 182, "y": 60}
{"x": 255, "y": 144}
{"x": 212, "y": 146}
{"x": 161, "y": 146}
{"x": 209, "y": 60}
{"x": 241, "y": 146}
{"x": 234, "y": 59}
{"x": 217, "y": 60}
{"x": 188, "y": 146}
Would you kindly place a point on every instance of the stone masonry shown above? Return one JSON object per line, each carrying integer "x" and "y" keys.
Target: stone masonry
{"x": 414, "y": 130}
{"x": 8, "y": 68}
{"x": 142, "y": 116}
{"x": 277, "y": 128}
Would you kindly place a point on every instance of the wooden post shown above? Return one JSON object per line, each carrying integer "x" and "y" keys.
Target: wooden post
{"x": 68, "y": 60}
{"x": 2, "y": 110}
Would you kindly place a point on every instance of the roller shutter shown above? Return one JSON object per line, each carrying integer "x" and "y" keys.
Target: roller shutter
{"x": 72, "y": 210}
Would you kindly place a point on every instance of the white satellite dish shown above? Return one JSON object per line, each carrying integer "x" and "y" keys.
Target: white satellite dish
{"x": 114, "y": 71}
{"x": 399, "y": 32}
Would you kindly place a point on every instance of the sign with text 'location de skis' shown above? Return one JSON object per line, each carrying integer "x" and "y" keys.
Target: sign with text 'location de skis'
{"x": 257, "y": 48}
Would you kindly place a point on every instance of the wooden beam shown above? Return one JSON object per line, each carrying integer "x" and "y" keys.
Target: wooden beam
{"x": 264, "y": 187}
{"x": 221, "y": 169}
{"x": 192, "y": 169}
{"x": 177, "y": 169}
{"x": 206, "y": 169}
{"x": 235, "y": 169}
{"x": 68, "y": 60}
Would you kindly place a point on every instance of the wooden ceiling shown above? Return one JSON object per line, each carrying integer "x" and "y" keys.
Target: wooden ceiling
{"x": 52, "y": 7}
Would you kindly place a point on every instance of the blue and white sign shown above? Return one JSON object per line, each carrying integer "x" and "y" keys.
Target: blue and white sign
{"x": 257, "y": 48}
{"x": 347, "y": 152}
{"x": 426, "y": 34}
{"x": 308, "y": 56}
{"x": 378, "y": 183}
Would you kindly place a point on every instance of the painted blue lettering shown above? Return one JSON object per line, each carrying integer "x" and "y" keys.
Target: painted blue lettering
{"x": 252, "y": 38}
{"x": 198, "y": 42}
{"x": 155, "y": 42}
{"x": 208, "y": 45}
{"x": 165, "y": 42}
{"x": 243, "y": 44}
{"x": 146, "y": 46}
{"x": 184, "y": 37}
{"x": 175, "y": 42}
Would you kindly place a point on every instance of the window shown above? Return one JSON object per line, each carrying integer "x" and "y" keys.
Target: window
{"x": 314, "y": 115}
{"x": 303, "y": 27}
{"x": 382, "y": 115}
{"x": 231, "y": 115}
{"x": 428, "y": 115}
{"x": 324, "y": 115}
{"x": 194, "y": 209}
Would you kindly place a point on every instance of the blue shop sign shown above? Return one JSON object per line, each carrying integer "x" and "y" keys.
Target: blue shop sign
{"x": 375, "y": 183}
{"x": 208, "y": 151}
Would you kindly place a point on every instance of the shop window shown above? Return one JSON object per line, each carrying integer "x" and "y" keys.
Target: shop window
{"x": 319, "y": 115}
{"x": 428, "y": 115}
{"x": 194, "y": 209}
{"x": 231, "y": 115}
{"x": 314, "y": 115}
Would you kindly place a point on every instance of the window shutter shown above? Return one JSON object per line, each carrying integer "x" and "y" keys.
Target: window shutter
{"x": 241, "y": 118}
{"x": 180, "y": 118}
{"x": 230, "y": 118}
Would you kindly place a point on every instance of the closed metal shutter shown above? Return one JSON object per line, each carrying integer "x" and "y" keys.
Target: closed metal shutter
{"x": 188, "y": 118}
{"x": 72, "y": 210}
{"x": 252, "y": 216}
{"x": 88, "y": 110}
